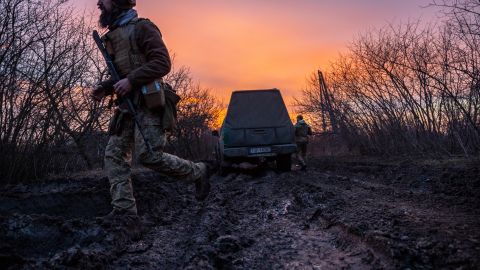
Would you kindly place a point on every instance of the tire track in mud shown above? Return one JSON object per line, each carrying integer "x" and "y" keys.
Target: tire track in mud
{"x": 413, "y": 228}
{"x": 241, "y": 231}
{"x": 347, "y": 234}
{"x": 255, "y": 222}
{"x": 260, "y": 220}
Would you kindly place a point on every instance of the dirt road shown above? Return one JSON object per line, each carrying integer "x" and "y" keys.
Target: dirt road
{"x": 342, "y": 213}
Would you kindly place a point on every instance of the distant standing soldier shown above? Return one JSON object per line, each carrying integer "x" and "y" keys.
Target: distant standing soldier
{"x": 141, "y": 58}
{"x": 302, "y": 131}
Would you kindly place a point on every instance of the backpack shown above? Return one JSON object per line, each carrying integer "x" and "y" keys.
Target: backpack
{"x": 302, "y": 130}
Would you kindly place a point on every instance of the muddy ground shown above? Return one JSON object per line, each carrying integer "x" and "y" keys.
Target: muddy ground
{"x": 340, "y": 214}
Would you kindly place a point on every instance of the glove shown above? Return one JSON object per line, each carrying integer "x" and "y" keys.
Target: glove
{"x": 98, "y": 93}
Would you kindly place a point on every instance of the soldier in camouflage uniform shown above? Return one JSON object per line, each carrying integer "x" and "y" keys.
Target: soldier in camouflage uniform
{"x": 140, "y": 57}
{"x": 302, "y": 130}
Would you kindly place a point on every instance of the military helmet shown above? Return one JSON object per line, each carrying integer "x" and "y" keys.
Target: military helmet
{"x": 125, "y": 4}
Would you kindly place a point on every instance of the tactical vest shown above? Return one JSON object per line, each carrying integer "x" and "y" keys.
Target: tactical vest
{"x": 121, "y": 43}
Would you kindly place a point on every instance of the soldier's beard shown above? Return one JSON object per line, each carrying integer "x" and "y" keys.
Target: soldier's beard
{"x": 107, "y": 18}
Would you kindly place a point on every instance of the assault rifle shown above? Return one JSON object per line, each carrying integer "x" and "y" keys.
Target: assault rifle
{"x": 115, "y": 77}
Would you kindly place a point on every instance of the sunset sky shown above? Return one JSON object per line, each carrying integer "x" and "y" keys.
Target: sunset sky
{"x": 258, "y": 44}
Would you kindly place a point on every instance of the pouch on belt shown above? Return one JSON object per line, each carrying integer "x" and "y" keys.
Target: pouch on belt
{"x": 154, "y": 95}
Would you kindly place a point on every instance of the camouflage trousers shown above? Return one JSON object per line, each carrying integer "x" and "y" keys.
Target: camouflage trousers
{"x": 302, "y": 153}
{"x": 119, "y": 151}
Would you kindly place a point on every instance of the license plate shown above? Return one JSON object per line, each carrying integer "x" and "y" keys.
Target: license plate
{"x": 260, "y": 150}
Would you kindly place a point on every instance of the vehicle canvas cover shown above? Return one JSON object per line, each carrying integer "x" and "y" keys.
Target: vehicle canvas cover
{"x": 257, "y": 117}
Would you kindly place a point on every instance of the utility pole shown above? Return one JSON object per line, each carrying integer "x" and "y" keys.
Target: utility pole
{"x": 326, "y": 104}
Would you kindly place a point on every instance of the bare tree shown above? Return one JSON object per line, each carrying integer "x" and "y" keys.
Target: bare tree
{"x": 198, "y": 112}
{"x": 406, "y": 89}
{"x": 48, "y": 123}
{"x": 46, "y": 66}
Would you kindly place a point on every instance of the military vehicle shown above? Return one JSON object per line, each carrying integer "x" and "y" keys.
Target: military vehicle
{"x": 256, "y": 129}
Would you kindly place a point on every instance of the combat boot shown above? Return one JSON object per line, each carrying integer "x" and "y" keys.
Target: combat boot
{"x": 117, "y": 215}
{"x": 202, "y": 184}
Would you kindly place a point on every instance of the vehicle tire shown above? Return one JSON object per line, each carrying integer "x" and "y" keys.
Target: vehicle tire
{"x": 284, "y": 163}
{"x": 224, "y": 171}
{"x": 218, "y": 154}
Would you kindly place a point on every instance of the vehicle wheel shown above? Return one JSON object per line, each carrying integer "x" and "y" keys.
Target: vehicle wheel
{"x": 218, "y": 155}
{"x": 284, "y": 163}
{"x": 223, "y": 165}
{"x": 223, "y": 171}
